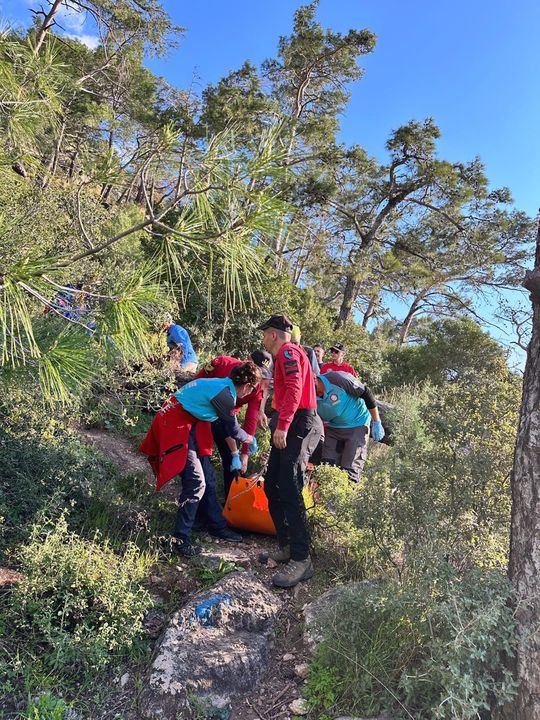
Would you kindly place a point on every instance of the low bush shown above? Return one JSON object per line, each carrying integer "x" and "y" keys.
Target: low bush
{"x": 432, "y": 648}
{"x": 42, "y": 476}
{"x": 79, "y": 600}
{"x": 334, "y": 523}
{"x": 45, "y": 707}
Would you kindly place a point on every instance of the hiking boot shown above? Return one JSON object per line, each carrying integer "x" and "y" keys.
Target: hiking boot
{"x": 186, "y": 548}
{"x": 281, "y": 555}
{"x": 293, "y": 572}
{"x": 227, "y": 534}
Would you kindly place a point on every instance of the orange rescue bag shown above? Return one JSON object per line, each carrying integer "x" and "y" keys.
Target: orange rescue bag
{"x": 246, "y": 507}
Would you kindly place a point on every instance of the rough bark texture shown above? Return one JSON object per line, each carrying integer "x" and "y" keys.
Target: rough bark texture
{"x": 47, "y": 24}
{"x": 524, "y": 569}
{"x": 350, "y": 294}
{"x": 406, "y": 324}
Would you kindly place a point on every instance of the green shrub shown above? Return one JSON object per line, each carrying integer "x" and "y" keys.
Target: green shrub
{"x": 444, "y": 484}
{"x": 46, "y": 707}
{"x": 334, "y": 523}
{"x": 78, "y": 599}
{"x": 41, "y": 476}
{"x": 128, "y": 397}
{"x": 322, "y": 687}
{"x": 433, "y": 648}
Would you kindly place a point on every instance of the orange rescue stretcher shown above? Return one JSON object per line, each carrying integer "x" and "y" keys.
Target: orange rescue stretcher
{"x": 246, "y": 507}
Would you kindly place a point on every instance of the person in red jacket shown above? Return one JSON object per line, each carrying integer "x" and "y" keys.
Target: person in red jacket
{"x": 296, "y": 430}
{"x": 338, "y": 353}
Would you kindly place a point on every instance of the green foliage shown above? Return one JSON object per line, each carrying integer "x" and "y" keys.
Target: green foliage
{"x": 445, "y": 351}
{"x": 130, "y": 395}
{"x": 318, "y": 63}
{"x": 444, "y": 485}
{"x": 45, "y": 707}
{"x": 78, "y": 598}
{"x": 30, "y": 96}
{"x": 433, "y": 648}
{"x": 44, "y": 471}
{"x": 322, "y": 687}
{"x": 209, "y": 576}
{"x": 333, "y": 515}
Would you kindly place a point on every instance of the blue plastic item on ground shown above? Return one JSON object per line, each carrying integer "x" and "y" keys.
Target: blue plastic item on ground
{"x": 206, "y": 611}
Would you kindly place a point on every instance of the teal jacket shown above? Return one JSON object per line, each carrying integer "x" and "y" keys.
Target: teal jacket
{"x": 343, "y": 404}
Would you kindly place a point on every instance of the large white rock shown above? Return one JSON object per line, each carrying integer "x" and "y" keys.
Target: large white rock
{"x": 207, "y": 666}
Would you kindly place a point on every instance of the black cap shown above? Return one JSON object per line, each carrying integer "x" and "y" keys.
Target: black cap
{"x": 263, "y": 359}
{"x": 278, "y": 322}
{"x": 338, "y": 347}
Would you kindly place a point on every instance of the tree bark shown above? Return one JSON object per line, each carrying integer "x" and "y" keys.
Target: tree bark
{"x": 524, "y": 567}
{"x": 370, "y": 310}
{"x": 406, "y": 324}
{"x": 53, "y": 162}
{"x": 352, "y": 287}
{"x": 47, "y": 23}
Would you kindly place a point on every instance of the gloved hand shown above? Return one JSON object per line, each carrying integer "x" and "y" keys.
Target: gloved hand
{"x": 253, "y": 446}
{"x": 377, "y": 430}
{"x": 236, "y": 464}
{"x": 244, "y": 461}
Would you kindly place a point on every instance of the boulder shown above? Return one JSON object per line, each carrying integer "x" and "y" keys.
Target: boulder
{"x": 324, "y": 606}
{"x": 200, "y": 665}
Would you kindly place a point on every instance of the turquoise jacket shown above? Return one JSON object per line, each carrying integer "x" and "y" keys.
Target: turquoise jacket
{"x": 209, "y": 399}
{"x": 338, "y": 407}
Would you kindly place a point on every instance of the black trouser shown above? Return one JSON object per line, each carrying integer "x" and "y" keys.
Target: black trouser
{"x": 284, "y": 481}
{"x": 220, "y": 431}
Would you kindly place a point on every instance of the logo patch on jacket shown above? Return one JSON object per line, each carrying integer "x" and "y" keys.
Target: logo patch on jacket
{"x": 291, "y": 367}
{"x": 333, "y": 398}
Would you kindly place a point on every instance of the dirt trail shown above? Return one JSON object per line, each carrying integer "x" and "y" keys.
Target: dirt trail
{"x": 281, "y": 684}
{"x": 119, "y": 449}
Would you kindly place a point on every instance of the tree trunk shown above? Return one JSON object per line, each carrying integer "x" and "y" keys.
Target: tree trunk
{"x": 370, "y": 310}
{"x": 406, "y": 324}
{"x": 47, "y": 23}
{"x": 350, "y": 294}
{"x": 73, "y": 163}
{"x": 53, "y": 162}
{"x": 524, "y": 568}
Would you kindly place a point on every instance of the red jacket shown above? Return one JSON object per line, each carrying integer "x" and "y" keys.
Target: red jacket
{"x": 344, "y": 367}
{"x": 166, "y": 443}
{"x": 221, "y": 367}
{"x": 294, "y": 383}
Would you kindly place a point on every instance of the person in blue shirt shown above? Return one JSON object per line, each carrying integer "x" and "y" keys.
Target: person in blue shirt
{"x": 179, "y": 336}
{"x": 348, "y": 408}
{"x": 208, "y": 399}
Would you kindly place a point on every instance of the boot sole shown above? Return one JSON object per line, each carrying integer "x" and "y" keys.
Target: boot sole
{"x": 229, "y": 540}
{"x": 307, "y": 575}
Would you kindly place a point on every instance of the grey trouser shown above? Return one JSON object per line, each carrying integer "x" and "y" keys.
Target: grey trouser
{"x": 347, "y": 448}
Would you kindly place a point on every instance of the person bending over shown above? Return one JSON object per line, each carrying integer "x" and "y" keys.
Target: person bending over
{"x": 348, "y": 407}
{"x": 181, "y": 432}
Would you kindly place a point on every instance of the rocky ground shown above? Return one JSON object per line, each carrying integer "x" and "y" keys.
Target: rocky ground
{"x": 280, "y": 670}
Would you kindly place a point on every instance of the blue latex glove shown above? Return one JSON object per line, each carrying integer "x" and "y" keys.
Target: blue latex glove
{"x": 377, "y": 430}
{"x": 236, "y": 463}
{"x": 253, "y": 446}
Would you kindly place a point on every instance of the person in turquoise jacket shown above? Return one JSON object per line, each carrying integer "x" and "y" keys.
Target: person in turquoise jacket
{"x": 348, "y": 408}
{"x": 208, "y": 399}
